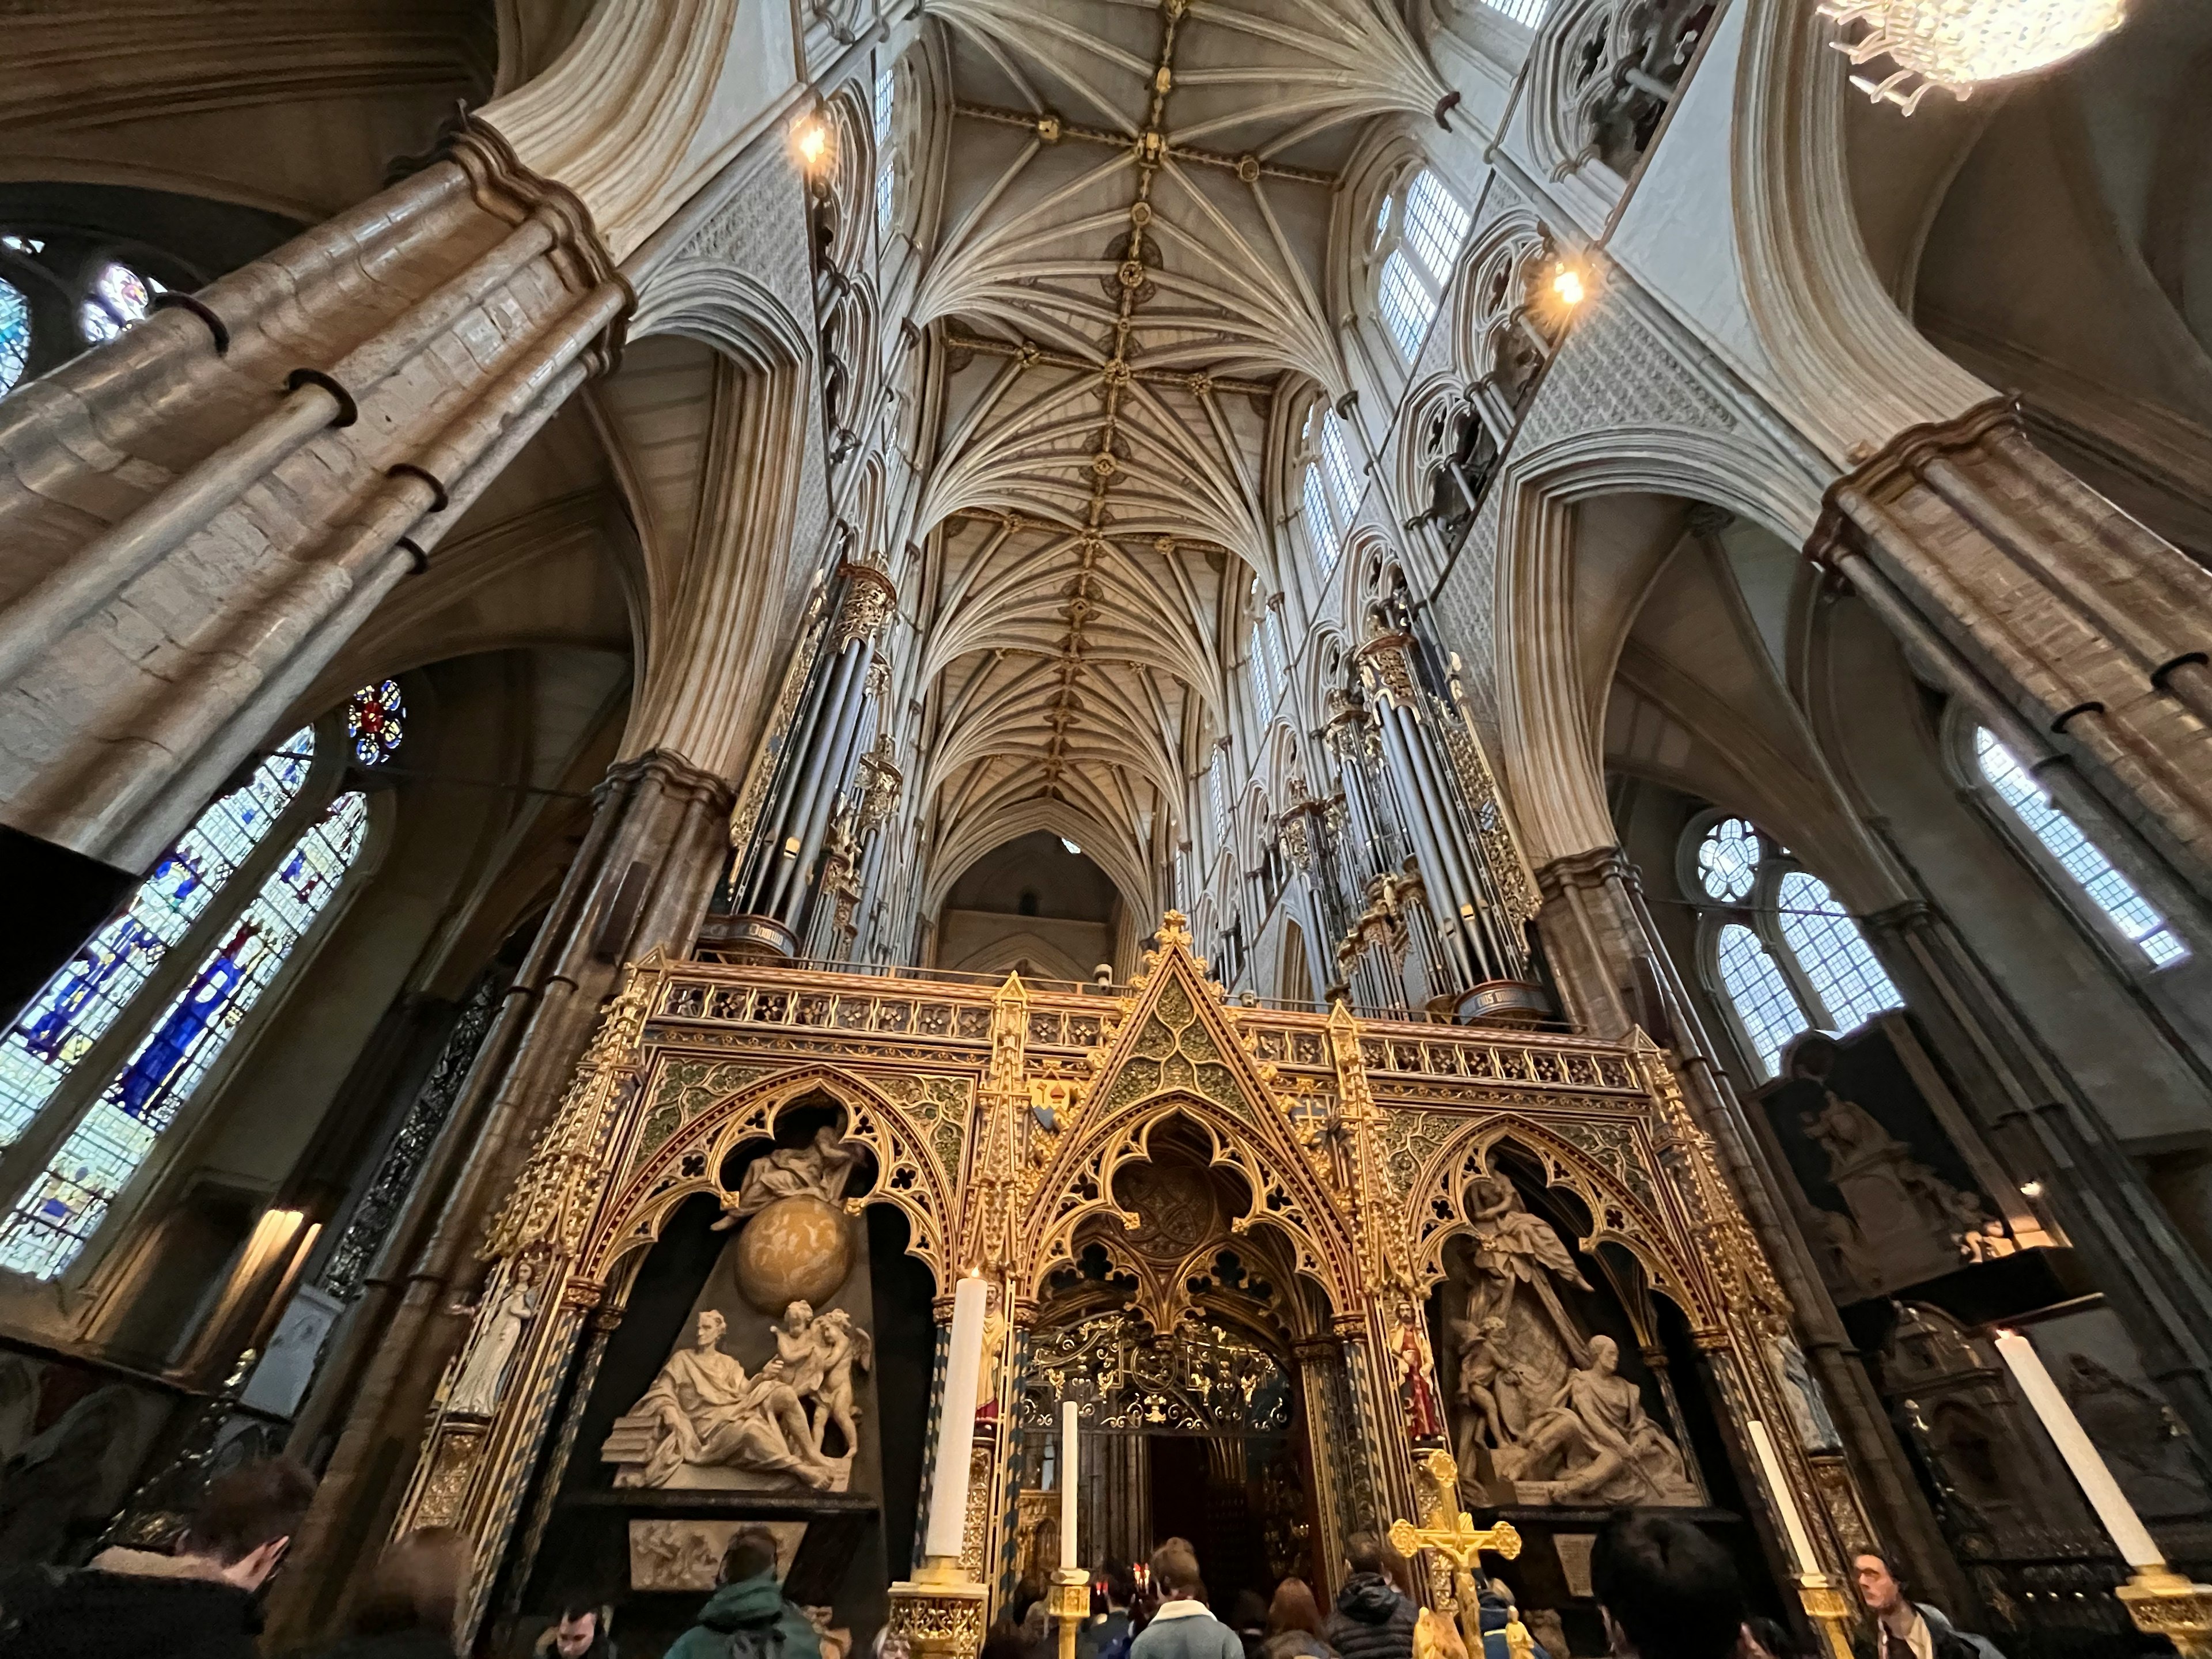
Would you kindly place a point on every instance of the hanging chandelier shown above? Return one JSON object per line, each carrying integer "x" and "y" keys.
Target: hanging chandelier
{"x": 1958, "y": 44}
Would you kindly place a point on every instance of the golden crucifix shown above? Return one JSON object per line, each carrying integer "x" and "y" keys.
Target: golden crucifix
{"x": 1460, "y": 1543}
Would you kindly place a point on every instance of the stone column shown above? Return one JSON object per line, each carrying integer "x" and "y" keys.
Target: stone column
{"x": 1612, "y": 973}
{"x": 641, "y": 879}
{"x": 2036, "y": 1118}
{"x": 196, "y": 517}
{"x": 2092, "y": 631}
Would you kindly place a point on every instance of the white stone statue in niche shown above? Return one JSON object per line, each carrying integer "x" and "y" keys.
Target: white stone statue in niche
{"x": 1593, "y": 1444}
{"x": 705, "y": 1423}
{"x": 817, "y": 1169}
{"x": 477, "y": 1389}
{"x": 1545, "y": 1399}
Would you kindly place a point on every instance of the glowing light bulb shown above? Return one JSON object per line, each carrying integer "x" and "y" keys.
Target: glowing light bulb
{"x": 1567, "y": 283}
{"x": 812, "y": 140}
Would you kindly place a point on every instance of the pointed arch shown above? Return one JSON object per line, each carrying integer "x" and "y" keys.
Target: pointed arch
{"x": 916, "y": 1145}
{"x": 1179, "y": 1051}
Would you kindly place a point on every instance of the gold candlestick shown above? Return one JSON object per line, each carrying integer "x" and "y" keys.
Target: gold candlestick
{"x": 1829, "y": 1609}
{"x": 939, "y": 1610}
{"x": 2163, "y": 1602}
{"x": 1071, "y": 1605}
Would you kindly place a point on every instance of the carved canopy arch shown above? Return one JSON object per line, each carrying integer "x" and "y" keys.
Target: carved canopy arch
{"x": 915, "y": 1145}
{"x": 1178, "y": 1052}
{"x": 1608, "y": 1176}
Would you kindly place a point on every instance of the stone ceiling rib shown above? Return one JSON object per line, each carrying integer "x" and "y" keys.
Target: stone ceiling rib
{"x": 1130, "y": 278}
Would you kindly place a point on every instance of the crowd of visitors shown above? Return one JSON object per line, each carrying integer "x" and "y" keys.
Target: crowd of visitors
{"x": 1665, "y": 1590}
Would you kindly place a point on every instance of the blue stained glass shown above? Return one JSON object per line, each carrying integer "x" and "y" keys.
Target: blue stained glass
{"x": 52, "y": 1221}
{"x": 84, "y": 999}
{"x": 14, "y": 335}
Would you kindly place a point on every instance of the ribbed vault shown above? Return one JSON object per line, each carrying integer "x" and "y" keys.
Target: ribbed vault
{"x": 1131, "y": 264}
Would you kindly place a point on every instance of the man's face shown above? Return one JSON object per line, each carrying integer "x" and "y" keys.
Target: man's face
{"x": 710, "y": 1329}
{"x": 572, "y": 1638}
{"x": 1876, "y": 1588}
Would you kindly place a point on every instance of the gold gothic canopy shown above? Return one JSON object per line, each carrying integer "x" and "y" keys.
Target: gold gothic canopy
{"x": 995, "y": 1120}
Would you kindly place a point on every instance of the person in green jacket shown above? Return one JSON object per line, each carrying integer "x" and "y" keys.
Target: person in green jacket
{"x": 748, "y": 1616}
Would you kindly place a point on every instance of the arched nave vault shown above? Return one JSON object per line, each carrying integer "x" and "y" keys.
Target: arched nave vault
{"x": 1126, "y": 268}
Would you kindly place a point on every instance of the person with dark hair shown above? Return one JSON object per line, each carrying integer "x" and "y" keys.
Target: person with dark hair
{"x": 1374, "y": 1619}
{"x": 1108, "y": 1635}
{"x": 1665, "y": 1590}
{"x": 197, "y": 1603}
{"x": 747, "y": 1618}
{"x": 412, "y": 1598}
{"x": 1184, "y": 1627}
{"x": 1249, "y": 1618}
{"x": 1906, "y": 1629}
{"x": 579, "y": 1630}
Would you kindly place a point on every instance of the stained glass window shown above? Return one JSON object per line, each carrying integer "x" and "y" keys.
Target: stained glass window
{"x": 1769, "y": 1013}
{"x": 84, "y": 1000}
{"x": 1728, "y": 858}
{"x": 1833, "y": 951}
{"x": 2080, "y": 857}
{"x": 52, "y": 1222}
{"x": 376, "y": 720}
{"x": 119, "y": 297}
{"x": 14, "y": 335}
{"x": 23, "y": 243}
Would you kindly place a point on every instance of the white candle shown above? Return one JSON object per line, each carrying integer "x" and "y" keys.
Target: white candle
{"x": 2135, "y": 1544}
{"x": 1069, "y": 1434}
{"x": 1800, "y": 1541}
{"x": 955, "y": 1427}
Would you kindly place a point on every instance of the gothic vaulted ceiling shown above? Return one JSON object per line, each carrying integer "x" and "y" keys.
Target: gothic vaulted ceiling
{"x": 1131, "y": 262}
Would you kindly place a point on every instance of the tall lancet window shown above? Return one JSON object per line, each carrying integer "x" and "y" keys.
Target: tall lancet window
{"x": 1329, "y": 489}
{"x": 884, "y": 172}
{"x": 1266, "y": 661}
{"x": 1781, "y": 953}
{"x": 117, "y": 1044}
{"x": 2057, "y": 842}
{"x": 1418, "y": 231}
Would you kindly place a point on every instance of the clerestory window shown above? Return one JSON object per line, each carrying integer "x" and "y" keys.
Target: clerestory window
{"x": 1417, "y": 232}
{"x": 2025, "y": 809}
{"x": 1781, "y": 953}
{"x": 1329, "y": 489}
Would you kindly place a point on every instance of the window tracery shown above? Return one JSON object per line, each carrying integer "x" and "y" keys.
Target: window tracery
{"x": 1418, "y": 233}
{"x": 1329, "y": 489}
{"x": 376, "y": 721}
{"x": 118, "y": 297}
{"x": 115, "y": 1117}
{"x": 2027, "y": 808}
{"x": 1786, "y": 956}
